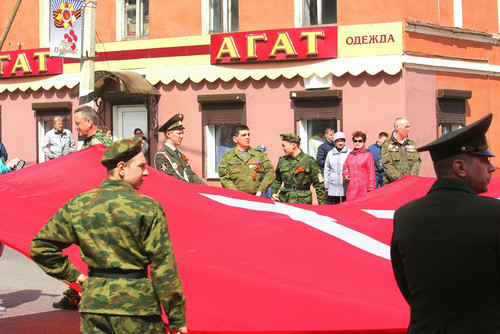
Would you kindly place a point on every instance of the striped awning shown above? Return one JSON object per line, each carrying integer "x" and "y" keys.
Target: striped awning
{"x": 391, "y": 65}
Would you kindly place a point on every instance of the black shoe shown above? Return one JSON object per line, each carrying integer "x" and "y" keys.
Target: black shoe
{"x": 65, "y": 304}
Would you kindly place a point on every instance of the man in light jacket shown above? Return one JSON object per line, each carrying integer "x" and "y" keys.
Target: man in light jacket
{"x": 58, "y": 141}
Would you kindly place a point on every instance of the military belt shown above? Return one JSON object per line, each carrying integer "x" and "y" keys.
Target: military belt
{"x": 296, "y": 187}
{"x": 118, "y": 273}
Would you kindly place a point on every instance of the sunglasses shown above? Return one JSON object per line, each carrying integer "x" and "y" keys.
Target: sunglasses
{"x": 358, "y": 140}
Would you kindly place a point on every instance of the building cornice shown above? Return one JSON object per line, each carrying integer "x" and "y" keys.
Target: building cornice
{"x": 425, "y": 28}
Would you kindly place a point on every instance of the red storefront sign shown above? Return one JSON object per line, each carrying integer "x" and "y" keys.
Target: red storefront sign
{"x": 31, "y": 62}
{"x": 271, "y": 45}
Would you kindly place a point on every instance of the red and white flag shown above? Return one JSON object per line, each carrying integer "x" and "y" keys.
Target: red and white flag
{"x": 247, "y": 264}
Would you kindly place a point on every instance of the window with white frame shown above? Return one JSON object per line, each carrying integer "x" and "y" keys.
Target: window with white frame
{"x": 312, "y": 133}
{"x": 223, "y": 16}
{"x": 315, "y": 111}
{"x": 450, "y": 109}
{"x": 457, "y": 13}
{"x": 315, "y": 12}
{"x": 44, "y": 114}
{"x": 220, "y": 112}
{"x": 218, "y": 142}
{"x": 133, "y": 18}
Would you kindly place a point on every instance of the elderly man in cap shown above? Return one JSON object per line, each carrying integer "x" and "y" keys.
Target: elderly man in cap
{"x": 445, "y": 247}
{"x": 120, "y": 233}
{"x": 297, "y": 171}
{"x": 169, "y": 159}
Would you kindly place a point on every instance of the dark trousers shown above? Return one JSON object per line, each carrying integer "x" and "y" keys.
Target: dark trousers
{"x": 379, "y": 181}
{"x": 335, "y": 199}
{"x": 91, "y": 323}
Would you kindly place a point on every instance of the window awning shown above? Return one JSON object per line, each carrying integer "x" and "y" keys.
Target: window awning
{"x": 305, "y": 69}
{"x": 132, "y": 80}
{"x": 129, "y": 82}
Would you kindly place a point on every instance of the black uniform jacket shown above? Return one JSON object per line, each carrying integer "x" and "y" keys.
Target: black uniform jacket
{"x": 445, "y": 253}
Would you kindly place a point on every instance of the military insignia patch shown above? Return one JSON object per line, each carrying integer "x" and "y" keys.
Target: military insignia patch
{"x": 320, "y": 177}
{"x": 163, "y": 167}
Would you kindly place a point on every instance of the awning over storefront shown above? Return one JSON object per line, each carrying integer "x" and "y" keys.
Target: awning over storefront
{"x": 129, "y": 82}
{"x": 197, "y": 73}
{"x": 337, "y": 67}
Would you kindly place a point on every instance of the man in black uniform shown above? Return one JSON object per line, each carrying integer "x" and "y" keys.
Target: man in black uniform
{"x": 169, "y": 159}
{"x": 445, "y": 247}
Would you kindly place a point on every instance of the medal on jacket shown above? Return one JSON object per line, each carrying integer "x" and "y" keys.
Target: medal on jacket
{"x": 299, "y": 169}
{"x": 255, "y": 171}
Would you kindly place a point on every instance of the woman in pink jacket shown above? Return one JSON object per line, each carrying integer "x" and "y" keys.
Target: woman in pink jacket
{"x": 359, "y": 170}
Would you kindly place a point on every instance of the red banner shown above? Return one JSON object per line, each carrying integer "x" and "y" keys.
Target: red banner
{"x": 29, "y": 63}
{"x": 270, "y": 45}
{"x": 247, "y": 264}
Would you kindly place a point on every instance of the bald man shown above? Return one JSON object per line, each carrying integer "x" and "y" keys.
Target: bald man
{"x": 399, "y": 154}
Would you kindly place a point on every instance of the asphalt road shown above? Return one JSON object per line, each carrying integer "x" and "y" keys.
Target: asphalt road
{"x": 28, "y": 293}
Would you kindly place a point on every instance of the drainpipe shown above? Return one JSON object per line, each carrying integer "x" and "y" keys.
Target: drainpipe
{"x": 7, "y": 28}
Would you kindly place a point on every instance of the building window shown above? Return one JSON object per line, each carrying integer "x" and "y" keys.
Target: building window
{"x": 220, "y": 112}
{"x": 314, "y": 111}
{"x": 134, "y": 16}
{"x": 450, "y": 109}
{"x": 223, "y": 16}
{"x": 457, "y": 13}
{"x": 316, "y": 12}
{"x": 44, "y": 114}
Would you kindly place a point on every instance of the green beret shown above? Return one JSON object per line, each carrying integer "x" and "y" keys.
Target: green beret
{"x": 290, "y": 137}
{"x": 470, "y": 139}
{"x": 121, "y": 150}
{"x": 174, "y": 123}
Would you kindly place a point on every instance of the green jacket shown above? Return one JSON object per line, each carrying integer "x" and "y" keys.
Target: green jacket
{"x": 399, "y": 159}
{"x": 252, "y": 174}
{"x": 302, "y": 170}
{"x": 115, "y": 227}
{"x": 98, "y": 135}
{"x": 176, "y": 165}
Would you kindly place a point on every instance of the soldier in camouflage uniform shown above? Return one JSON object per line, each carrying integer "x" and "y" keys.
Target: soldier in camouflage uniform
{"x": 399, "y": 154}
{"x": 120, "y": 233}
{"x": 244, "y": 168}
{"x": 169, "y": 159}
{"x": 86, "y": 124}
{"x": 297, "y": 171}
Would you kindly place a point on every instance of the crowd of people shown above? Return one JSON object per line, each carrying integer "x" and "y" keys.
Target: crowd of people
{"x": 336, "y": 172}
{"x": 429, "y": 263}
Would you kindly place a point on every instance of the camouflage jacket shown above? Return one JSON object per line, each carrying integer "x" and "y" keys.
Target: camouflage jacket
{"x": 176, "y": 165}
{"x": 252, "y": 174}
{"x": 399, "y": 159}
{"x": 99, "y": 136}
{"x": 115, "y": 227}
{"x": 302, "y": 170}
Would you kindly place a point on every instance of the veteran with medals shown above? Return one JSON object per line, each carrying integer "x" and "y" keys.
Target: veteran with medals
{"x": 245, "y": 168}
{"x": 169, "y": 159}
{"x": 295, "y": 173}
{"x": 399, "y": 154}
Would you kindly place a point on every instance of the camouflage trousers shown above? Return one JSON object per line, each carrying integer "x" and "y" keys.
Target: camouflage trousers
{"x": 299, "y": 196}
{"x": 92, "y": 323}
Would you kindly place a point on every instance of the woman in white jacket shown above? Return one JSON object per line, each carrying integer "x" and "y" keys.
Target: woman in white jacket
{"x": 334, "y": 184}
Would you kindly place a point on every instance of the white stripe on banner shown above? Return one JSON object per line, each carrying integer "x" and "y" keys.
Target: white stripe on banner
{"x": 382, "y": 214}
{"x": 311, "y": 218}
